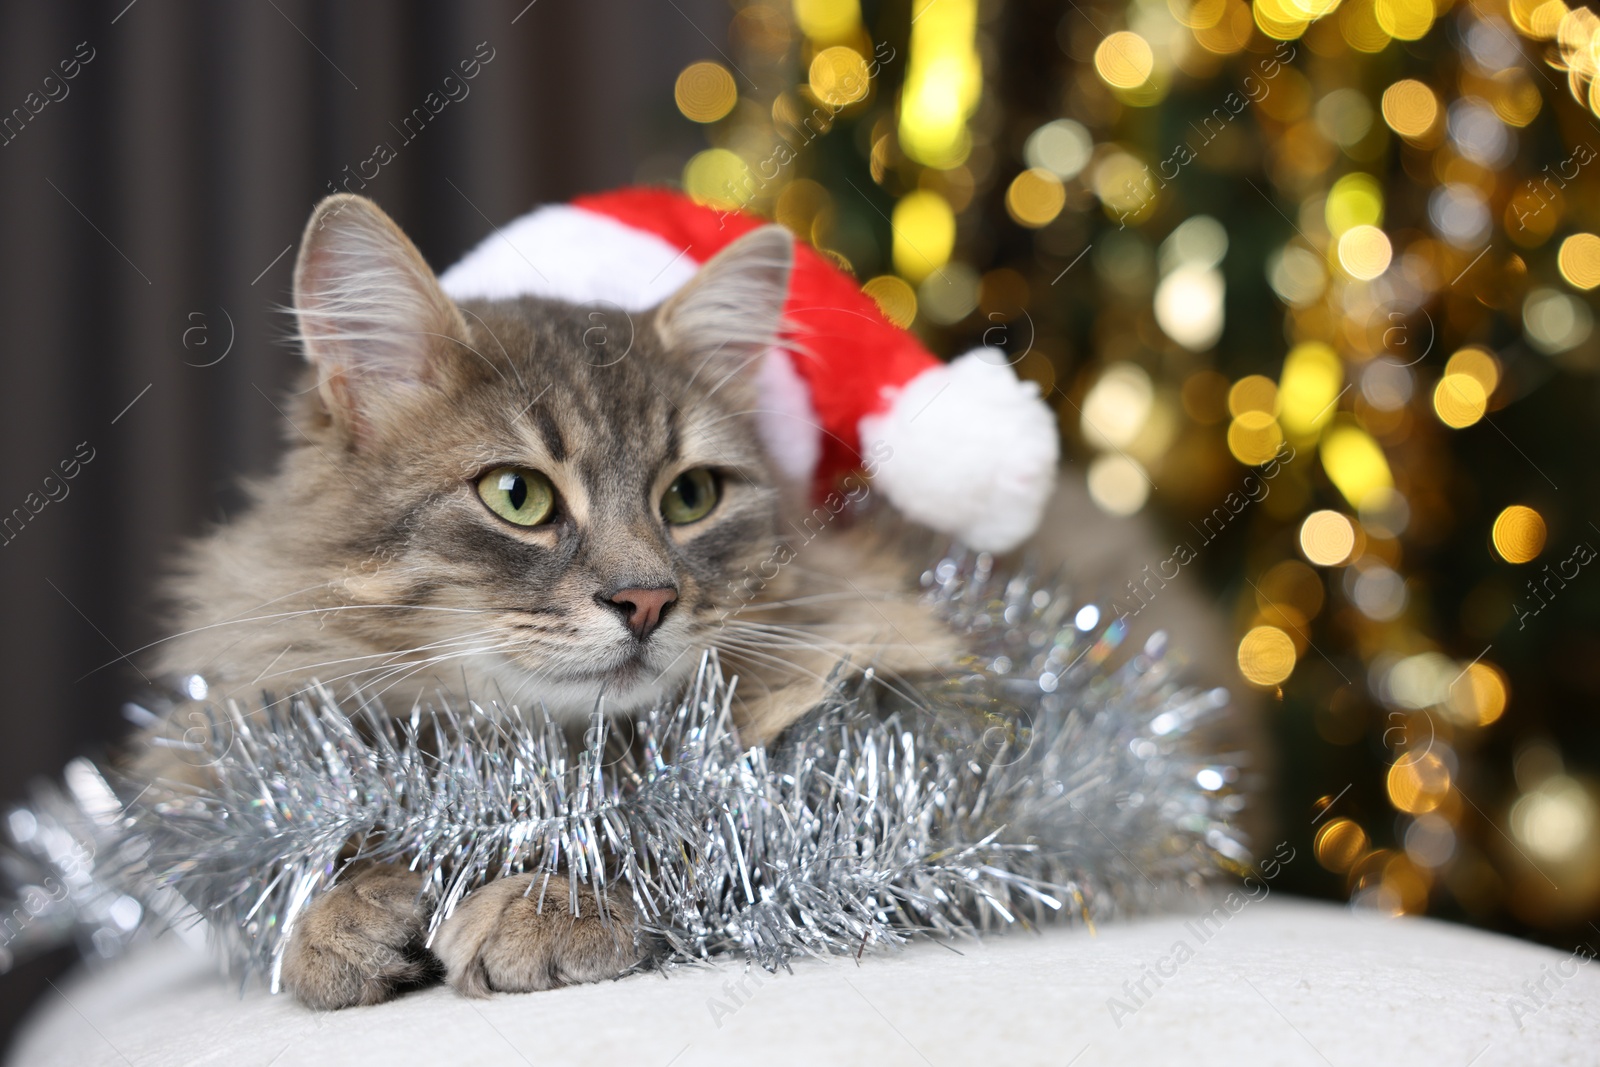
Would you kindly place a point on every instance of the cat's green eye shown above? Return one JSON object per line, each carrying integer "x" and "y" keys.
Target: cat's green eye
{"x": 690, "y": 497}
{"x": 518, "y": 495}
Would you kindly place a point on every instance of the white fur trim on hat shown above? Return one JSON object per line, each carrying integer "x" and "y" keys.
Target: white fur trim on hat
{"x": 567, "y": 253}
{"x": 972, "y": 451}
{"x": 787, "y": 421}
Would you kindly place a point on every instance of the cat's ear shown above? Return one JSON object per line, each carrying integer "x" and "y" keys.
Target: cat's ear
{"x": 731, "y": 311}
{"x": 372, "y": 316}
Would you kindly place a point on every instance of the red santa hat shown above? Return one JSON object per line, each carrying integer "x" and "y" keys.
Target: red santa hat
{"x": 965, "y": 447}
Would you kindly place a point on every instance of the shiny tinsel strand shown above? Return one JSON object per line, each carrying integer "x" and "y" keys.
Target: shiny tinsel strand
{"x": 1042, "y": 780}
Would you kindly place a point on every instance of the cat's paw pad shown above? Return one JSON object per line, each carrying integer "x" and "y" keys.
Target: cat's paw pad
{"x": 500, "y": 940}
{"x": 360, "y": 942}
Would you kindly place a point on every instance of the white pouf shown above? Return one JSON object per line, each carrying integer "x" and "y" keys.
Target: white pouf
{"x": 1282, "y": 981}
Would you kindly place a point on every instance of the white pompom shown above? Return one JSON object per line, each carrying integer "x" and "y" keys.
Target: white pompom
{"x": 971, "y": 451}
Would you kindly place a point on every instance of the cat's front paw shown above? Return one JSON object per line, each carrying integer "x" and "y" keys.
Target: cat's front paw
{"x": 361, "y": 942}
{"x": 500, "y": 940}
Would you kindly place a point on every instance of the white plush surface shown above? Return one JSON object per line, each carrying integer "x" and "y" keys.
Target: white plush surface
{"x": 567, "y": 253}
{"x": 974, "y": 451}
{"x": 1281, "y": 982}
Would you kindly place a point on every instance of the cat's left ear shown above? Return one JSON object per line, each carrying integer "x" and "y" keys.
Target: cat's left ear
{"x": 373, "y": 318}
{"x": 726, "y": 317}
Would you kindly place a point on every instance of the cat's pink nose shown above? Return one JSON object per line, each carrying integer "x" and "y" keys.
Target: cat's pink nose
{"x": 644, "y": 608}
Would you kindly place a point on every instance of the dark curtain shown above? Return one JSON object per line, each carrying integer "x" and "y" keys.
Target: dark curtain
{"x": 148, "y": 204}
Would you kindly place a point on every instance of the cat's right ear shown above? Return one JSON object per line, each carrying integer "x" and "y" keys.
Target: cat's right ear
{"x": 372, "y": 316}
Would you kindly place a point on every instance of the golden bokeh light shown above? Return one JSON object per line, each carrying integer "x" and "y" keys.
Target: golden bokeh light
{"x": 838, "y": 76}
{"x": 1418, "y": 783}
{"x": 1124, "y": 60}
{"x": 705, "y": 91}
{"x": 1254, "y": 437}
{"x": 1579, "y": 260}
{"x": 1266, "y": 656}
{"x": 1327, "y": 538}
{"x": 1035, "y": 197}
{"x": 1519, "y": 534}
{"x": 1340, "y": 843}
{"x": 1279, "y": 19}
{"x": 1358, "y": 25}
{"x": 1354, "y": 200}
{"x": 1365, "y": 252}
{"x": 1478, "y": 695}
{"x": 1309, "y": 387}
{"x": 717, "y": 177}
{"x": 1410, "y": 108}
{"x": 924, "y": 231}
{"x": 1253, "y": 392}
{"x": 1230, "y": 33}
{"x": 1478, "y": 365}
{"x": 1459, "y": 400}
{"x": 827, "y": 21}
{"x": 1404, "y": 20}
{"x": 1354, "y": 462}
{"x": 896, "y": 299}
{"x": 1199, "y": 15}
{"x": 944, "y": 79}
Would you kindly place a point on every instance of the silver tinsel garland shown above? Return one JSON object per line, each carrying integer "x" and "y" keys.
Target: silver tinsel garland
{"x": 1044, "y": 780}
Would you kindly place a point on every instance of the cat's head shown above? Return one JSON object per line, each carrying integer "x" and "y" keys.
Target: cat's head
{"x": 549, "y": 496}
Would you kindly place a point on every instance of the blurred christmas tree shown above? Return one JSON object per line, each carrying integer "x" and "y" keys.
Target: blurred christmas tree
{"x": 1308, "y": 280}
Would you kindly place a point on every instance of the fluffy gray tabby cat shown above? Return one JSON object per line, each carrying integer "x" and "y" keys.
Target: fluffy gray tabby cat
{"x": 471, "y": 500}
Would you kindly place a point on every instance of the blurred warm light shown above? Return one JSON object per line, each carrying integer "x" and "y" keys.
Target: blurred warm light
{"x": 1364, "y": 252}
{"x": 1405, "y": 20}
{"x": 1116, "y": 407}
{"x": 1579, "y": 260}
{"x": 1062, "y": 147}
{"x": 924, "y": 231}
{"x": 1477, "y": 364}
{"x": 1035, "y": 197}
{"x": 705, "y": 92}
{"x": 1308, "y": 387}
{"x": 827, "y": 21}
{"x": 1327, "y": 538}
{"x": 1339, "y": 844}
{"x": 947, "y": 296}
{"x": 1354, "y": 200}
{"x": 1124, "y": 60}
{"x": 1378, "y": 590}
{"x": 839, "y": 77}
{"x": 896, "y": 299}
{"x": 1199, "y": 15}
{"x": 1254, "y": 437}
{"x": 1519, "y": 534}
{"x": 1297, "y": 275}
{"x": 717, "y": 177}
{"x": 1253, "y": 392}
{"x": 1205, "y": 397}
{"x": 1117, "y": 483}
{"x": 943, "y": 80}
{"x": 1515, "y": 99}
{"x": 1231, "y": 31}
{"x": 1266, "y": 656}
{"x": 1459, "y": 400}
{"x": 1555, "y": 819}
{"x": 1291, "y": 583}
{"x": 1554, "y": 321}
{"x": 1280, "y": 19}
{"x": 1124, "y": 185}
{"x": 1354, "y": 462}
{"x": 1418, "y": 783}
{"x": 1200, "y": 241}
{"x": 1188, "y": 306}
{"x": 1410, "y": 108}
{"x": 1358, "y": 24}
{"x": 1478, "y": 695}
